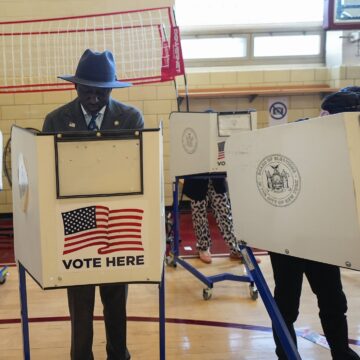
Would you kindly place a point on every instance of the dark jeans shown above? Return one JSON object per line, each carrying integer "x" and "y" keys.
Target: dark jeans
{"x": 325, "y": 282}
{"x": 81, "y": 305}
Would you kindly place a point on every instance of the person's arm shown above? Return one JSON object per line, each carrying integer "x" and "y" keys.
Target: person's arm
{"x": 135, "y": 119}
{"x": 138, "y": 120}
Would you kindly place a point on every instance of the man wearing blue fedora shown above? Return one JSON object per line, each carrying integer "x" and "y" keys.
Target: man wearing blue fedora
{"x": 94, "y": 109}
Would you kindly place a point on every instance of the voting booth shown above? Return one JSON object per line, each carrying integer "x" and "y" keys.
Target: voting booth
{"x": 198, "y": 138}
{"x": 89, "y": 207}
{"x": 295, "y": 188}
{"x": 197, "y": 151}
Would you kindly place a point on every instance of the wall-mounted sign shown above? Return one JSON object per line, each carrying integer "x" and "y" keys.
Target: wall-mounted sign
{"x": 278, "y": 111}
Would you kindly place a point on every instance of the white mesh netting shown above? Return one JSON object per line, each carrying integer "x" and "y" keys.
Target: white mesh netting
{"x": 145, "y": 44}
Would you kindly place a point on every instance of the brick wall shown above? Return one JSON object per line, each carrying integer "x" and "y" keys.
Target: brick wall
{"x": 299, "y": 105}
{"x": 159, "y": 100}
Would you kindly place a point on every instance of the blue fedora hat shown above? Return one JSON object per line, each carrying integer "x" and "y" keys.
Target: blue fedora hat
{"x": 96, "y": 69}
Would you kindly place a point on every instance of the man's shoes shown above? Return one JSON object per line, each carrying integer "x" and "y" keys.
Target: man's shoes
{"x": 205, "y": 256}
{"x": 237, "y": 256}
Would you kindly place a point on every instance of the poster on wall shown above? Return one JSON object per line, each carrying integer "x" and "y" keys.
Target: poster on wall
{"x": 278, "y": 111}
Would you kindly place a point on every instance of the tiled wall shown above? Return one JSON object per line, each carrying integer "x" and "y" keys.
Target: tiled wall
{"x": 29, "y": 110}
{"x": 299, "y": 105}
{"x": 158, "y": 101}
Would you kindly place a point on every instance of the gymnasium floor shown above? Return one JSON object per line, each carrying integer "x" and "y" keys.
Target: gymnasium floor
{"x": 228, "y": 326}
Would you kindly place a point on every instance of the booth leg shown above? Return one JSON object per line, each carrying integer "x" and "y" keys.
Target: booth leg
{"x": 174, "y": 245}
{"x": 270, "y": 305}
{"x": 24, "y": 312}
{"x": 162, "y": 316}
{"x": 176, "y": 218}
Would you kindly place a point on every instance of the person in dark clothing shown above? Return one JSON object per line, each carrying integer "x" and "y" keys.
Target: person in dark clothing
{"x": 324, "y": 279}
{"x": 92, "y": 110}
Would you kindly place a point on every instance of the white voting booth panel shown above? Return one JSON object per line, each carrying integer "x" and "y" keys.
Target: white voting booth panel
{"x": 295, "y": 188}
{"x": 89, "y": 210}
{"x": 198, "y": 139}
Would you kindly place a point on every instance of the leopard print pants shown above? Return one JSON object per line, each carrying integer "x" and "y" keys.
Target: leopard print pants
{"x": 221, "y": 208}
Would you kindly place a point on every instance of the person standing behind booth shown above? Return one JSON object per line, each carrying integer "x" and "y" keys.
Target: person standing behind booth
{"x": 213, "y": 192}
{"x": 324, "y": 279}
{"x": 203, "y": 192}
{"x": 94, "y": 109}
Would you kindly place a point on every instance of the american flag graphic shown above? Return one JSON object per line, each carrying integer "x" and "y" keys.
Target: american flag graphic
{"x": 108, "y": 230}
{"x": 221, "y": 153}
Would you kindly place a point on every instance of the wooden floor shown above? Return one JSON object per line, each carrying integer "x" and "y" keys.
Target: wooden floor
{"x": 228, "y": 326}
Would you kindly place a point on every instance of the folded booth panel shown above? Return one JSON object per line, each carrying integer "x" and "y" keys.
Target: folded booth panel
{"x": 294, "y": 188}
{"x": 198, "y": 139}
{"x": 111, "y": 231}
{"x": 26, "y": 184}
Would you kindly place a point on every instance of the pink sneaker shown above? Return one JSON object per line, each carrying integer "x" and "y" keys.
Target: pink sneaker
{"x": 205, "y": 256}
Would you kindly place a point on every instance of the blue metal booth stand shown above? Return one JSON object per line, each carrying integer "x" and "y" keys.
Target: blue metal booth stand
{"x": 25, "y": 316}
{"x": 254, "y": 277}
{"x": 111, "y": 223}
{"x": 175, "y": 257}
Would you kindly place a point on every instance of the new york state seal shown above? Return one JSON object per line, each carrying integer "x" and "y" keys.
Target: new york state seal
{"x": 189, "y": 140}
{"x": 278, "y": 180}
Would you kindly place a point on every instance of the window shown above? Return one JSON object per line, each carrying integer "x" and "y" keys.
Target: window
{"x": 234, "y": 32}
{"x": 287, "y": 45}
{"x": 214, "y": 47}
{"x": 232, "y": 12}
